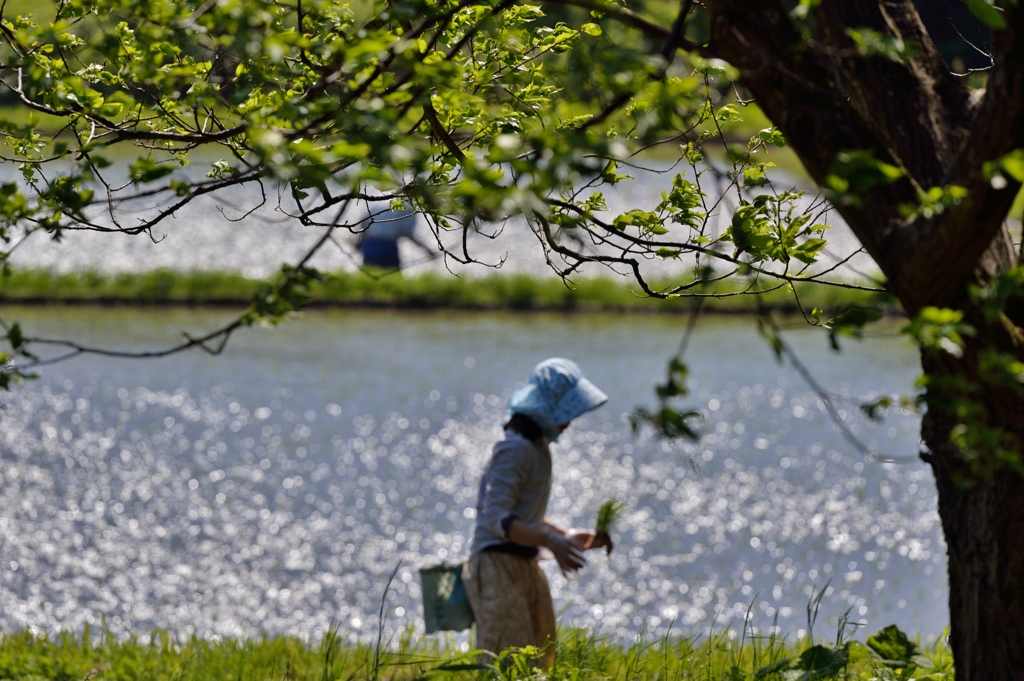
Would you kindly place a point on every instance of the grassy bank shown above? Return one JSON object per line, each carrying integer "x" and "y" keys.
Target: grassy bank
{"x": 424, "y": 291}
{"x": 580, "y": 658}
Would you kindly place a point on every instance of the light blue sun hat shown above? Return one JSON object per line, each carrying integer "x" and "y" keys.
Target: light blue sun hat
{"x": 556, "y": 393}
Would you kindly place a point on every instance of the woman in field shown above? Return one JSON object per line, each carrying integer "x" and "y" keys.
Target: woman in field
{"x": 507, "y": 589}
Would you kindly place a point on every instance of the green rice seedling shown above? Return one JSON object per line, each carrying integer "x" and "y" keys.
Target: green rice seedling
{"x": 606, "y": 516}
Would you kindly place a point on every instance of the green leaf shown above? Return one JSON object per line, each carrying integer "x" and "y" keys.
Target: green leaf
{"x": 684, "y": 202}
{"x": 875, "y": 44}
{"x": 1013, "y": 164}
{"x": 819, "y": 662}
{"x": 15, "y": 337}
{"x": 936, "y": 200}
{"x": 145, "y": 169}
{"x": 675, "y": 384}
{"x": 988, "y": 13}
{"x": 752, "y": 231}
{"x": 934, "y": 326}
{"x": 854, "y": 317}
{"x": 180, "y": 188}
{"x": 803, "y": 8}
{"x": 609, "y": 176}
{"x": 774, "y": 668}
{"x": 110, "y": 109}
{"x": 876, "y": 410}
{"x": 940, "y": 329}
{"x": 892, "y": 645}
{"x": 754, "y": 176}
{"x": 67, "y": 194}
{"x": 643, "y": 219}
{"x": 850, "y": 321}
{"x": 772, "y": 136}
{"x": 808, "y": 251}
{"x": 855, "y": 171}
{"x": 670, "y": 423}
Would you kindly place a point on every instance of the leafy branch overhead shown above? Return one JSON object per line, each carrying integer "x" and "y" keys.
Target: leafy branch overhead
{"x": 468, "y": 112}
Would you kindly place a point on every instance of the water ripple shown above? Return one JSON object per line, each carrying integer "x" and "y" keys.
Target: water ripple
{"x": 219, "y": 515}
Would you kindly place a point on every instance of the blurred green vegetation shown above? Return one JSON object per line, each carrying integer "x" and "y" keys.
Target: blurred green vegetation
{"x": 888, "y": 654}
{"x": 429, "y": 290}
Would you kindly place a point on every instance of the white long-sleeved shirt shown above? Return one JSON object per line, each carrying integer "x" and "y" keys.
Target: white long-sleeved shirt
{"x": 516, "y": 483}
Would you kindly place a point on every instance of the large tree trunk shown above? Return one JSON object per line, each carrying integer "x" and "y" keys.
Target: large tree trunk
{"x": 914, "y": 114}
{"x": 980, "y": 483}
{"x": 983, "y": 522}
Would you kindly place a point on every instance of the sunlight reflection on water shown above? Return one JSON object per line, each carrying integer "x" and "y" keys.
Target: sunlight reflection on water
{"x": 237, "y": 509}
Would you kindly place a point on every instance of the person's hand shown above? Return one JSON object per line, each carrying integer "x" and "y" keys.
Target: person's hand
{"x": 593, "y": 540}
{"x": 567, "y": 552}
{"x": 584, "y": 539}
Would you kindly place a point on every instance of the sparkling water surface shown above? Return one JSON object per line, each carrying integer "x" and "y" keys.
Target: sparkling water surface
{"x": 276, "y": 488}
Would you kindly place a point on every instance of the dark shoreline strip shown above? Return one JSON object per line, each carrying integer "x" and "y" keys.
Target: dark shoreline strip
{"x": 347, "y": 290}
{"x": 219, "y": 304}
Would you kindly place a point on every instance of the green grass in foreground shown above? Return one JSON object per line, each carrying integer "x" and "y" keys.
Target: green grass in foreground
{"x": 429, "y": 290}
{"x": 886, "y": 655}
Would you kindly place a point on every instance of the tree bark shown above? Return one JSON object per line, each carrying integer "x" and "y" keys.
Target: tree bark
{"x": 983, "y": 522}
{"x": 915, "y": 115}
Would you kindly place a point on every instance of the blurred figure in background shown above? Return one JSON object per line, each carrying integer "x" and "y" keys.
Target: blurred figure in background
{"x": 378, "y": 243}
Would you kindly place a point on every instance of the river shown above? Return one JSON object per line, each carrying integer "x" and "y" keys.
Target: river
{"x": 274, "y": 489}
